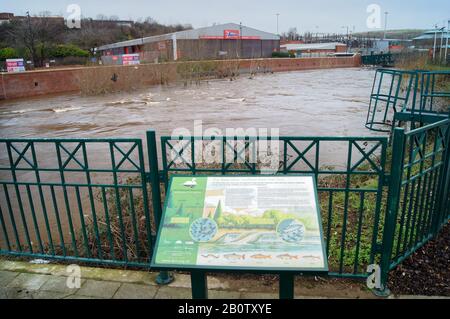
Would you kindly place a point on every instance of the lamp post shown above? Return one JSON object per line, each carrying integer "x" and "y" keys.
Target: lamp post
{"x": 442, "y": 43}
{"x": 385, "y": 24}
{"x": 435, "y": 39}
{"x": 240, "y": 40}
{"x": 346, "y": 41}
{"x": 278, "y": 16}
{"x": 446, "y": 41}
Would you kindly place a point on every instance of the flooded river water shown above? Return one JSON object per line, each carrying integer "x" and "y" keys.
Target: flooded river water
{"x": 309, "y": 103}
{"x": 319, "y": 102}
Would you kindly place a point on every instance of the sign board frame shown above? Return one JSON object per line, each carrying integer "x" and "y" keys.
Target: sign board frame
{"x": 241, "y": 269}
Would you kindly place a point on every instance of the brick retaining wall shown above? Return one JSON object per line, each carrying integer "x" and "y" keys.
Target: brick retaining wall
{"x": 91, "y": 80}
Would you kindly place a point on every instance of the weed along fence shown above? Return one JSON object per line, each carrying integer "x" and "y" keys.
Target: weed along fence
{"x": 99, "y": 202}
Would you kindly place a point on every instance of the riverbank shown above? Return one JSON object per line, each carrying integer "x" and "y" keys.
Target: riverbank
{"x": 106, "y": 79}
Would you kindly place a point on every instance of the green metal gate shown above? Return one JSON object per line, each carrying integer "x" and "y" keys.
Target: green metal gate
{"x": 417, "y": 203}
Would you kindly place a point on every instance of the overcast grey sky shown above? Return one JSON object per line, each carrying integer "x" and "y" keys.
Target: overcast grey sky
{"x": 305, "y": 15}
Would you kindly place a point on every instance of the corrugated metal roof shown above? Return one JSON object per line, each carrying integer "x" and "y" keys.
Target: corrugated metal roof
{"x": 430, "y": 35}
{"x": 213, "y": 31}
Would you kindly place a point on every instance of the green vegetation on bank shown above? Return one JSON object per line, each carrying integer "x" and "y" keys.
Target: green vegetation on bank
{"x": 277, "y": 54}
{"x": 8, "y": 53}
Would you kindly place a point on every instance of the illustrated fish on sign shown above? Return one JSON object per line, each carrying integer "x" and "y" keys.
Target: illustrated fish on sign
{"x": 311, "y": 257}
{"x": 210, "y": 256}
{"x": 260, "y": 256}
{"x": 234, "y": 257}
{"x": 287, "y": 257}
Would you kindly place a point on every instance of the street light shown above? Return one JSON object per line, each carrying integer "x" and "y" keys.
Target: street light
{"x": 278, "y": 15}
{"x": 435, "y": 39}
{"x": 442, "y": 43}
{"x": 446, "y": 41}
{"x": 385, "y": 24}
{"x": 346, "y": 41}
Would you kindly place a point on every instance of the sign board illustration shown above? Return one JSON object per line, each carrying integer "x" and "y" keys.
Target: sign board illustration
{"x": 253, "y": 222}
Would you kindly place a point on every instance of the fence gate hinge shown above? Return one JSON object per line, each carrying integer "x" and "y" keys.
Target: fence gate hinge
{"x": 148, "y": 176}
{"x": 162, "y": 176}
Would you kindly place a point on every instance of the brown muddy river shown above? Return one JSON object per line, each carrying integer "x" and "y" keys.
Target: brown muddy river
{"x": 309, "y": 103}
{"x": 319, "y": 102}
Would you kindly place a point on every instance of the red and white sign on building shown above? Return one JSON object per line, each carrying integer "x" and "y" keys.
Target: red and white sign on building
{"x": 231, "y": 34}
{"x": 130, "y": 59}
{"x": 15, "y": 65}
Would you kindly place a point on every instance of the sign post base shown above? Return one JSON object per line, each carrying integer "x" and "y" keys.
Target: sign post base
{"x": 286, "y": 286}
{"x": 199, "y": 284}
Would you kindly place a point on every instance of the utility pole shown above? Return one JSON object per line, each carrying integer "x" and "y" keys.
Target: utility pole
{"x": 435, "y": 39}
{"x": 346, "y": 41}
{"x": 240, "y": 37}
{"x": 385, "y": 24}
{"x": 278, "y": 16}
{"x": 30, "y": 36}
{"x": 442, "y": 43}
{"x": 446, "y": 41}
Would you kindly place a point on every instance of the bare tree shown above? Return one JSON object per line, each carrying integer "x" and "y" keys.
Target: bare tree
{"x": 37, "y": 35}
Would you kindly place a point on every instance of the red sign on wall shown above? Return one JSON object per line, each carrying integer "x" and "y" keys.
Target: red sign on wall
{"x": 231, "y": 34}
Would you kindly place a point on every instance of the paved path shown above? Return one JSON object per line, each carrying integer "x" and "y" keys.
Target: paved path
{"x": 53, "y": 281}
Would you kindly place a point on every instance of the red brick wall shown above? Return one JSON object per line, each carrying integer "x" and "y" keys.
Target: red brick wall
{"x": 34, "y": 83}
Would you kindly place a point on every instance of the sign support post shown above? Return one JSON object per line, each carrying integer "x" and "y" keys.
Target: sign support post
{"x": 286, "y": 286}
{"x": 199, "y": 285}
{"x": 256, "y": 224}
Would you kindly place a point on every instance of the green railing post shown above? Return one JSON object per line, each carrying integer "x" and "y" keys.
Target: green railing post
{"x": 393, "y": 202}
{"x": 164, "y": 277}
{"x": 286, "y": 285}
{"x": 154, "y": 176}
{"x": 199, "y": 285}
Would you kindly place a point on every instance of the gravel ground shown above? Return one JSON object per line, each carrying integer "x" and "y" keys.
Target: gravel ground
{"x": 427, "y": 271}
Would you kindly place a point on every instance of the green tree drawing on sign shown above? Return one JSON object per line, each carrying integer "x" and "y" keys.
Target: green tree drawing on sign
{"x": 218, "y": 211}
{"x": 180, "y": 211}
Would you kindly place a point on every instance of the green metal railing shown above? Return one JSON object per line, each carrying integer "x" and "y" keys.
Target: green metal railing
{"x": 350, "y": 193}
{"x": 402, "y": 96}
{"x": 419, "y": 191}
{"x": 391, "y": 92}
{"x": 88, "y": 200}
{"x": 433, "y": 85}
{"x": 76, "y": 199}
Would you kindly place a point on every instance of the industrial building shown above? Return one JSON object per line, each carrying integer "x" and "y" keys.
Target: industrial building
{"x": 431, "y": 39}
{"x": 313, "y": 49}
{"x": 226, "y": 41}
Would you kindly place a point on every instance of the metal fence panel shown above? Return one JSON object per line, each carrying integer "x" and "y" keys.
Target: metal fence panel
{"x": 424, "y": 162}
{"x": 75, "y": 199}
